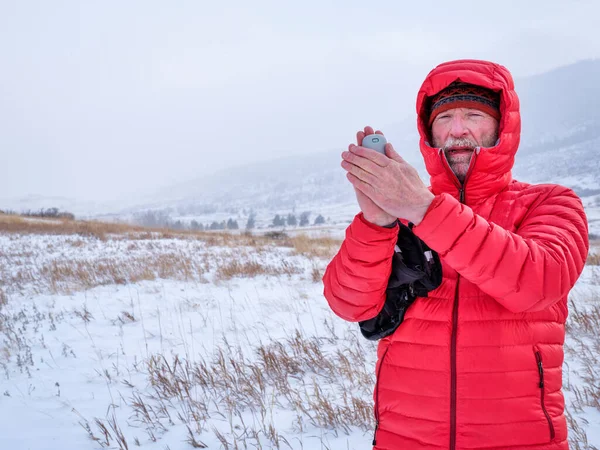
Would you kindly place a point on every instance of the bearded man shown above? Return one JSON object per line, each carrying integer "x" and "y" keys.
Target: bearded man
{"x": 478, "y": 363}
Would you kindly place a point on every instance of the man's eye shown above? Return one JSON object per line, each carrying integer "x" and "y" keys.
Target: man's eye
{"x": 475, "y": 114}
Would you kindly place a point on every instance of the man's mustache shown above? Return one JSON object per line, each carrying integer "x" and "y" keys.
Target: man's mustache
{"x": 459, "y": 142}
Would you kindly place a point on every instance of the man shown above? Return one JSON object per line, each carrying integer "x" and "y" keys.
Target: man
{"x": 478, "y": 363}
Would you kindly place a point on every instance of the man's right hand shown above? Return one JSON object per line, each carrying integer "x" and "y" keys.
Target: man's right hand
{"x": 370, "y": 210}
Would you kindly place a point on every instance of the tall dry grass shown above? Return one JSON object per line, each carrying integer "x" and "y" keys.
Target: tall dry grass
{"x": 581, "y": 370}
{"x": 593, "y": 259}
{"x": 325, "y": 381}
{"x": 64, "y": 275}
{"x": 315, "y": 247}
{"x": 131, "y": 254}
{"x": 25, "y": 225}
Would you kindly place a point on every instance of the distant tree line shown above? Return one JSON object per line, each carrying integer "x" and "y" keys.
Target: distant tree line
{"x": 49, "y": 213}
{"x": 204, "y": 209}
{"x": 292, "y": 221}
{"x": 162, "y": 219}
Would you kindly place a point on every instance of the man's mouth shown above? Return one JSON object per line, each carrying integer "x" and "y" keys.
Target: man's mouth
{"x": 460, "y": 149}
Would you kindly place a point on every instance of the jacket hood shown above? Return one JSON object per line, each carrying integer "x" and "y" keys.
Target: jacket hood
{"x": 491, "y": 167}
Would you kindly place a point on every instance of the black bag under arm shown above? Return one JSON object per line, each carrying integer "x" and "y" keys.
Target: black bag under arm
{"x": 416, "y": 270}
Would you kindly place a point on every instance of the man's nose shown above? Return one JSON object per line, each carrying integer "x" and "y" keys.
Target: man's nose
{"x": 458, "y": 127}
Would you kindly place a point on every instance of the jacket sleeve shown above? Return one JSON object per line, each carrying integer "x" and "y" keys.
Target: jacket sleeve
{"x": 527, "y": 270}
{"x": 356, "y": 278}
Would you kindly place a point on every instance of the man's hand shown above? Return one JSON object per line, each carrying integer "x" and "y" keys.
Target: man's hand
{"x": 370, "y": 210}
{"x": 389, "y": 182}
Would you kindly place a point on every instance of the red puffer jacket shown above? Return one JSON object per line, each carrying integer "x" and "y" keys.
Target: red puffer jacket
{"x": 477, "y": 364}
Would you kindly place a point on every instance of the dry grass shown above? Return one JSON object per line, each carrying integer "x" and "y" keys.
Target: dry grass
{"x": 60, "y": 266}
{"x": 325, "y": 381}
{"x": 322, "y": 247}
{"x": 316, "y": 274}
{"x": 25, "y": 225}
{"x": 61, "y": 274}
{"x": 3, "y": 298}
{"x": 582, "y": 371}
{"x": 253, "y": 268}
{"x": 10, "y": 224}
{"x": 593, "y": 259}
{"x": 303, "y": 244}
{"x": 65, "y": 276}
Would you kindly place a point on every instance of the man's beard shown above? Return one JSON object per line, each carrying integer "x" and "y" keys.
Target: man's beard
{"x": 459, "y": 162}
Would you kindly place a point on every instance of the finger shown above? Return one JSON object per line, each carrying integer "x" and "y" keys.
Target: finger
{"x": 393, "y": 154}
{"x": 359, "y": 137}
{"x": 358, "y": 183}
{"x": 370, "y": 154}
{"x": 368, "y": 130}
{"x": 363, "y": 187}
{"x": 365, "y": 164}
{"x": 359, "y": 172}
{"x": 379, "y": 132}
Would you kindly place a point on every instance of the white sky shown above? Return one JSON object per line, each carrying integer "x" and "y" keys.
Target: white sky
{"x": 104, "y": 99}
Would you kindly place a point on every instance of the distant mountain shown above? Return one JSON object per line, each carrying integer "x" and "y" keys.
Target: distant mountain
{"x": 560, "y": 144}
{"x": 561, "y": 128}
{"x": 279, "y": 183}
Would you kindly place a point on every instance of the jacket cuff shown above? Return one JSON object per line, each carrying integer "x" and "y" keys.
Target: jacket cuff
{"x": 444, "y": 221}
{"x": 368, "y": 242}
{"x": 379, "y": 228}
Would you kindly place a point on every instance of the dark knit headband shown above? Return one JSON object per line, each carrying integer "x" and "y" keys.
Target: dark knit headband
{"x": 463, "y": 95}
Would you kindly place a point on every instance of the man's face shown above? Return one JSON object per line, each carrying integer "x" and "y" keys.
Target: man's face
{"x": 458, "y": 131}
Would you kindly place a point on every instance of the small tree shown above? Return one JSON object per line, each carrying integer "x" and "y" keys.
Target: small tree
{"x": 251, "y": 223}
{"x": 304, "y": 218}
{"x": 153, "y": 218}
{"x": 291, "y": 220}
{"x": 319, "y": 220}
{"x": 278, "y": 221}
{"x": 232, "y": 224}
{"x": 196, "y": 226}
{"x": 177, "y": 225}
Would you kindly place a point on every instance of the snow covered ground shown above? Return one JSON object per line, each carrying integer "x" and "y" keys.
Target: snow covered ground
{"x": 170, "y": 342}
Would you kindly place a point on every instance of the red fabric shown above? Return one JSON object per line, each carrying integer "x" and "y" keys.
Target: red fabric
{"x": 512, "y": 252}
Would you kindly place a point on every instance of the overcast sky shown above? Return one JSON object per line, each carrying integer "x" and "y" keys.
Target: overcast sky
{"x": 104, "y": 99}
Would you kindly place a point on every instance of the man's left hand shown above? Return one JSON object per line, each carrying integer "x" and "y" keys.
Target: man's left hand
{"x": 389, "y": 181}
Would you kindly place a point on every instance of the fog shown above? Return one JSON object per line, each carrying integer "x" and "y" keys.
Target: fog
{"x": 106, "y": 100}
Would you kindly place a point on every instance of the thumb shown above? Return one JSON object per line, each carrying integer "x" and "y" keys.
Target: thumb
{"x": 392, "y": 154}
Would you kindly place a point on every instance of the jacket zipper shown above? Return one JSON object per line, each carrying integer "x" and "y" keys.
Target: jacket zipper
{"x": 453, "y": 376}
{"x": 453, "y": 369}
{"x": 377, "y": 395}
{"x": 538, "y": 357}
